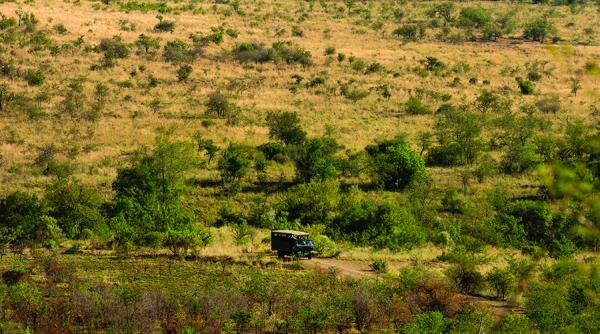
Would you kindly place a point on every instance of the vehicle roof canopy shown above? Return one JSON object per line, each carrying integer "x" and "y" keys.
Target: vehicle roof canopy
{"x": 290, "y": 232}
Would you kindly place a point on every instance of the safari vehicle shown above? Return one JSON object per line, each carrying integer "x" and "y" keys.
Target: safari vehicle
{"x": 294, "y": 243}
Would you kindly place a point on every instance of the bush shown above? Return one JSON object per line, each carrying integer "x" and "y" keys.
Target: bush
{"x": 219, "y": 106}
{"x": 35, "y": 77}
{"x": 22, "y": 214}
{"x": 379, "y": 265}
{"x": 549, "y": 104}
{"x": 113, "y": 47}
{"x": 394, "y": 163}
{"x": 273, "y": 151}
{"x": 164, "y": 25}
{"x": 325, "y": 247}
{"x": 538, "y": 30}
{"x": 465, "y": 277}
{"x": 445, "y": 155}
{"x": 453, "y": 202}
{"x": 519, "y": 159}
{"x": 500, "y": 280}
{"x": 312, "y": 203}
{"x": 410, "y": 32}
{"x": 14, "y": 276}
{"x": 414, "y": 106}
{"x": 252, "y": 52}
{"x": 285, "y": 126}
{"x": 525, "y": 86}
{"x": 473, "y": 17}
{"x": 178, "y": 51}
{"x": 183, "y": 73}
{"x": 434, "y": 65}
{"x": 315, "y": 159}
{"x": 75, "y": 208}
{"x": 58, "y": 273}
{"x": 548, "y": 307}
{"x": 432, "y": 296}
{"x": 234, "y": 165}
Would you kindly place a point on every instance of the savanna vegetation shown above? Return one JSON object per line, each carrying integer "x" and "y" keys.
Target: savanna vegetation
{"x": 451, "y": 148}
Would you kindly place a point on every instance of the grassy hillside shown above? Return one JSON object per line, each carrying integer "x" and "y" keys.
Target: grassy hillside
{"x": 457, "y": 141}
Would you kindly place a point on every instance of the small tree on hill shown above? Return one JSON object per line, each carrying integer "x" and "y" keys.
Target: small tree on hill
{"x": 234, "y": 164}
{"x": 394, "y": 163}
{"x": 285, "y": 127}
{"x": 149, "y": 198}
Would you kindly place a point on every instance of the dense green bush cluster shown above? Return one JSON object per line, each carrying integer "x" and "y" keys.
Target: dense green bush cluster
{"x": 280, "y": 52}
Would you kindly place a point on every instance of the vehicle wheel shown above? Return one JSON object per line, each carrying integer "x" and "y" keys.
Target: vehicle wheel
{"x": 309, "y": 256}
{"x": 280, "y": 254}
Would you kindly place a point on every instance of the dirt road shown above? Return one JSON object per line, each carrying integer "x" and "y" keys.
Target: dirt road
{"x": 361, "y": 269}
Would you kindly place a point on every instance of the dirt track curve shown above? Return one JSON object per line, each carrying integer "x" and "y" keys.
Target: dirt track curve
{"x": 360, "y": 269}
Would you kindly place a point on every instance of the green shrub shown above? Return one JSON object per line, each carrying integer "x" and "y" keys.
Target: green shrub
{"x": 519, "y": 159}
{"x": 409, "y": 32}
{"x": 22, "y": 214}
{"x": 297, "y": 31}
{"x": 286, "y": 127}
{"x": 500, "y": 281}
{"x": 548, "y": 307}
{"x": 315, "y": 159}
{"x": 379, "y": 265}
{"x": 218, "y": 105}
{"x": 414, "y": 106}
{"x": 75, "y": 208}
{"x": 538, "y": 30}
{"x": 177, "y": 51}
{"x": 453, "y": 202}
{"x": 549, "y": 104}
{"x": 433, "y": 64}
{"x": 473, "y": 17}
{"x": 325, "y": 247}
{"x": 252, "y": 52}
{"x": 234, "y": 165}
{"x": 35, "y": 77}
{"x": 525, "y": 86}
{"x": 183, "y": 73}
{"x": 164, "y": 25}
{"x": 445, "y": 155}
{"x": 465, "y": 277}
{"x": 113, "y": 47}
{"x": 394, "y": 163}
{"x": 273, "y": 151}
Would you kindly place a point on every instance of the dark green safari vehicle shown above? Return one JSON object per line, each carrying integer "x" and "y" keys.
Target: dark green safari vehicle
{"x": 292, "y": 243}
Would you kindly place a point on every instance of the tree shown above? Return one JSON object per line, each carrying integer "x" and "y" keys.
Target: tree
{"x": 473, "y": 17}
{"x": 462, "y": 127}
{"x": 410, "y": 32}
{"x": 147, "y": 44}
{"x": 443, "y": 10}
{"x": 149, "y": 197}
{"x": 183, "y": 73}
{"x": 315, "y": 159}
{"x": 234, "y": 164}
{"x": 286, "y": 127}
{"x": 500, "y": 280}
{"x": 75, "y": 207}
{"x": 22, "y": 215}
{"x": 525, "y": 86}
{"x": 548, "y": 307}
{"x": 538, "y": 29}
{"x": 218, "y": 105}
{"x": 395, "y": 163}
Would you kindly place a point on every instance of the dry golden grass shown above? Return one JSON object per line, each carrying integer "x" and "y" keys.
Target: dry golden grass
{"x": 127, "y": 122}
